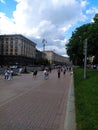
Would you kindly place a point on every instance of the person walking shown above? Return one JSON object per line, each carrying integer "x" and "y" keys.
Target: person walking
{"x": 5, "y": 74}
{"x": 20, "y": 70}
{"x": 44, "y": 74}
{"x": 11, "y": 74}
{"x": 64, "y": 70}
{"x": 34, "y": 74}
{"x": 58, "y": 71}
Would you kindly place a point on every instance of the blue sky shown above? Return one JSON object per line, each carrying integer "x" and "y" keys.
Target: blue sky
{"x": 8, "y": 7}
{"x": 54, "y": 22}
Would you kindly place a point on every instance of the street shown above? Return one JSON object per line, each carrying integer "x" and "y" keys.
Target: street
{"x": 34, "y": 104}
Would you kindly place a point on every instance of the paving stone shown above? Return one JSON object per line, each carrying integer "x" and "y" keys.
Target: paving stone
{"x": 34, "y": 104}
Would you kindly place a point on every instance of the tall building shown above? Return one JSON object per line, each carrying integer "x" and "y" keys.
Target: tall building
{"x": 56, "y": 59}
{"x": 16, "y": 49}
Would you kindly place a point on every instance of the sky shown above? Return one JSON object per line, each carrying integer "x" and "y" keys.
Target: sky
{"x": 52, "y": 20}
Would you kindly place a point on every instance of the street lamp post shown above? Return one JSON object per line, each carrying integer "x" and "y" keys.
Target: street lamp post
{"x": 44, "y": 41}
{"x": 85, "y": 57}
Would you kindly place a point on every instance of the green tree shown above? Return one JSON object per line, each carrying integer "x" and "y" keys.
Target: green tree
{"x": 75, "y": 44}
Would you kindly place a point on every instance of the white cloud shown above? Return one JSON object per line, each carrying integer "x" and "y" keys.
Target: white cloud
{"x": 6, "y": 24}
{"x": 92, "y": 10}
{"x": 84, "y": 3}
{"x": 2, "y": 1}
{"x": 48, "y": 19}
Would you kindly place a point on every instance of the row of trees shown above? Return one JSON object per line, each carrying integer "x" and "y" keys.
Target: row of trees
{"x": 75, "y": 45}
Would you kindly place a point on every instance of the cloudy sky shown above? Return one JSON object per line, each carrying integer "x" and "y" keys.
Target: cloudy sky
{"x": 52, "y": 20}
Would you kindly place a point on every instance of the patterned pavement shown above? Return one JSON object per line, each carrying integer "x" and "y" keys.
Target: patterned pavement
{"x": 34, "y": 104}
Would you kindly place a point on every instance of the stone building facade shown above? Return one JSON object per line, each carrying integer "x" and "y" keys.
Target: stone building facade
{"x": 16, "y": 49}
{"x": 54, "y": 58}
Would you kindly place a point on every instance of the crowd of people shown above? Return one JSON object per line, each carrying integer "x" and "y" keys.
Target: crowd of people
{"x": 8, "y": 75}
{"x": 63, "y": 69}
{"x": 60, "y": 69}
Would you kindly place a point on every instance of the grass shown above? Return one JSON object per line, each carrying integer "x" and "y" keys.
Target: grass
{"x": 86, "y": 99}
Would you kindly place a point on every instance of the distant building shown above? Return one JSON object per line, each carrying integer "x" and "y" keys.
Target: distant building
{"x": 56, "y": 59}
{"x": 39, "y": 55}
{"x": 41, "y": 59}
{"x": 16, "y": 49}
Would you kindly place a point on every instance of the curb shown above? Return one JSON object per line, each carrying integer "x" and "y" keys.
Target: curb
{"x": 70, "y": 119}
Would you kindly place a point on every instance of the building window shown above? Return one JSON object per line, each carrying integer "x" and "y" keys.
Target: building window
{"x": 15, "y": 44}
{"x": 6, "y": 53}
{"x": 11, "y": 39}
{"x": 11, "y": 45}
{"x": 6, "y": 49}
{"x": 6, "y": 39}
{"x": 11, "y": 50}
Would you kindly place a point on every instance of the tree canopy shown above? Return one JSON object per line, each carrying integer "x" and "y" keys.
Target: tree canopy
{"x": 76, "y": 42}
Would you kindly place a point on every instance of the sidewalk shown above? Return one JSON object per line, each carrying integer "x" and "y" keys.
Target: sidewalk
{"x": 28, "y": 104}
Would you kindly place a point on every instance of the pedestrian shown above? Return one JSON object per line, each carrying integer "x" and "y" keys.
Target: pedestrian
{"x": 58, "y": 71}
{"x": 44, "y": 74}
{"x": 20, "y": 70}
{"x": 34, "y": 74}
{"x": 50, "y": 69}
{"x": 64, "y": 70}
{"x": 5, "y": 74}
{"x": 47, "y": 73}
{"x": 11, "y": 74}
